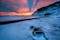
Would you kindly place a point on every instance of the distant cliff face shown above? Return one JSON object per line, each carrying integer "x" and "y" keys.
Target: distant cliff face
{"x": 49, "y": 10}
{"x": 50, "y": 20}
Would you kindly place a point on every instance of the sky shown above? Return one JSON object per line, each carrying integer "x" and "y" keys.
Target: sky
{"x": 22, "y": 7}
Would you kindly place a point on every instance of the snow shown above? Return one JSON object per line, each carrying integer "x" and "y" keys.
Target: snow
{"x": 21, "y": 30}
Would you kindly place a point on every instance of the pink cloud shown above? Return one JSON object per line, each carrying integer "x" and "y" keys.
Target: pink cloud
{"x": 23, "y": 6}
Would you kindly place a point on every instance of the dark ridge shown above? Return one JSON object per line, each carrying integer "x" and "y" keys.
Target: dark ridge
{"x": 45, "y": 8}
{"x": 39, "y": 32}
{"x": 36, "y": 29}
{"x": 32, "y": 27}
{"x": 47, "y": 14}
{"x": 14, "y": 21}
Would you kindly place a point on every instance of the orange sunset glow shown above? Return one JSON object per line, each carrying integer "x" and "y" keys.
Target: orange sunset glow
{"x": 15, "y": 14}
{"x": 21, "y": 7}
